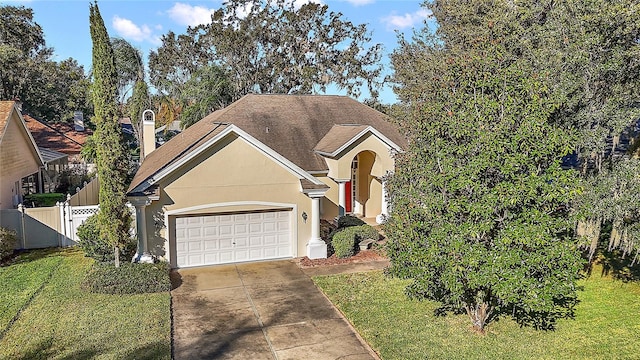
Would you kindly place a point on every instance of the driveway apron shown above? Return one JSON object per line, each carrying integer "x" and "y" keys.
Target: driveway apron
{"x": 264, "y": 310}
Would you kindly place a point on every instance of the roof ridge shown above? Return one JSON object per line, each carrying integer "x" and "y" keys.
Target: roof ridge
{"x": 49, "y": 126}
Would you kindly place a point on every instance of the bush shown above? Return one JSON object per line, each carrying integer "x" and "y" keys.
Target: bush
{"x": 129, "y": 278}
{"x": 344, "y": 241}
{"x": 8, "y": 241}
{"x": 349, "y": 220}
{"x": 95, "y": 247}
{"x": 39, "y": 200}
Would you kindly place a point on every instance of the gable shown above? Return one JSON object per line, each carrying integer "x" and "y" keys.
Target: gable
{"x": 19, "y": 156}
{"x": 231, "y": 170}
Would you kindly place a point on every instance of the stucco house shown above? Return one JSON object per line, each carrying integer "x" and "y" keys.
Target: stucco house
{"x": 20, "y": 161}
{"x": 251, "y": 181}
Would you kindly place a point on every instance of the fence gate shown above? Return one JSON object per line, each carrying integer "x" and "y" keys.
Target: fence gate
{"x": 72, "y": 217}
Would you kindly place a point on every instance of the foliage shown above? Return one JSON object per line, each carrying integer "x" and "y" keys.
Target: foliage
{"x": 49, "y": 90}
{"x": 594, "y": 60}
{"x": 40, "y": 200}
{"x": 207, "y": 90}
{"x": 610, "y": 198}
{"x": 129, "y": 64}
{"x": 479, "y": 201}
{"x": 349, "y": 220}
{"x": 397, "y": 327}
{"x": 344, "y": 242}
{"x": 257, "y": 46}
{"x": 94, "y": 246}
{"x": 112, "y": 161}
{"x": 44, "y": 288}
{"x": 129, "y": 278}
{"x": 8, "y": 242}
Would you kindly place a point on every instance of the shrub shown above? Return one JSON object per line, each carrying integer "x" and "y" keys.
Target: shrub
{"x": 349, "y": 220}
{"x": 47, "y": 199}
{"x": 8, "y": 241}
{"x": 344, "y": 241}
{"x": 129, "y": 278}
{"x": 97, "y": 248}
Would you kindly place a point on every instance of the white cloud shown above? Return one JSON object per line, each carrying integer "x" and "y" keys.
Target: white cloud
{"x": 128, "y": 30}
{"x": 360, "y": 2}
{"x": 186, "y": 14}
{"x": 397, "y": 22}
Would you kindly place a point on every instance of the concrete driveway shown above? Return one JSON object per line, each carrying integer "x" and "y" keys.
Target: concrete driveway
{"x": 265, "y": 310}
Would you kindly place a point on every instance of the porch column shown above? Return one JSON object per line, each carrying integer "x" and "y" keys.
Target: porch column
{"x": 383, "y": 204}
{"x": 142, "y": 254}
{"x": 342, "y": 196}
{"x": 316, "y": 248}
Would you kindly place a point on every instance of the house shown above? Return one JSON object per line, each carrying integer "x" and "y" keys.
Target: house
{"x": 60, "y": 145}
{"x": 20, "y": 160}
{"x": 252, "y": 181}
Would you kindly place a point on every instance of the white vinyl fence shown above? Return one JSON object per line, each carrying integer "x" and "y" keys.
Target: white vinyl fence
{"x": 55, "y": 226}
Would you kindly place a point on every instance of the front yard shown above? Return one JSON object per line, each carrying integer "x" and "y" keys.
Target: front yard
{"x": 606, "y": 326}
{"x": 44, "y": 314}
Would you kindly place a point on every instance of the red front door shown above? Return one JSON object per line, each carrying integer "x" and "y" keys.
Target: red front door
{"x": 348, "y": 197}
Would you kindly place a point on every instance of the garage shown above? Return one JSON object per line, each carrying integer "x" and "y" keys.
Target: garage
{"x": 230, "y": 238}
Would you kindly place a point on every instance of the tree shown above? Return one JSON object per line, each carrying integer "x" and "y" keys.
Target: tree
{"x": 112, "y": 162}
{"x": 50, "y": 90}
{"x": 206, "y": 91}
{"x": 273, "y": 47}
{"x": 599, "y": 74}
{"x": 479, "y": 202}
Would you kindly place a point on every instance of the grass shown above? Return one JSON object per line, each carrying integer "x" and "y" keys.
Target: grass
{"x": 56, "y": 319}
{"x": 606, "y": 325}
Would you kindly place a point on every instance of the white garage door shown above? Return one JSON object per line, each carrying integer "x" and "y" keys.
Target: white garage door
{"x": 221, "y": 239}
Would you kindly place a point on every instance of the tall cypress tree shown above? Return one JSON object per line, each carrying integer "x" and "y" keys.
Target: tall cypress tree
{"x": 114, "y": 216}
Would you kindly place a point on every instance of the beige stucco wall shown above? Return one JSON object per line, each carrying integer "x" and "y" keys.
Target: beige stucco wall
{"x": 374, "y": 162}
{"x": 340, "y": 167}
{"x": 232, "y": 173}
{"x": 18, "y": 159}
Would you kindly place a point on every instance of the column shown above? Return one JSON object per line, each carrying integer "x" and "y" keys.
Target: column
{"x": 316, "y": 248}
{"x": 383, "y": 204}
{"x": 342, "y": 197}
{"x": 142, "y": 254}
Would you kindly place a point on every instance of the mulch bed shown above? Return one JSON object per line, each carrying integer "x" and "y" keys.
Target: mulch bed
{"x": 362, "y": 256}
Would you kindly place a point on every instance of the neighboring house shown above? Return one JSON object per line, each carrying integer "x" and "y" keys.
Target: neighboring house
{"x": 20, "y": 161}
{"x": 60, "y": 145}
{"x": 252, "y": 181}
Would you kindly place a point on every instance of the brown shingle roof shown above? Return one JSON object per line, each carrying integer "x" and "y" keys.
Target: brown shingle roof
{"x": 338, "y": 136}
{"x": 291, "y": 125}
{"x": 46, "y": 136}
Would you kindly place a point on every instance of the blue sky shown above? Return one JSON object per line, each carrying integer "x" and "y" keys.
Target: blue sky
{"x": 66, "y": 23}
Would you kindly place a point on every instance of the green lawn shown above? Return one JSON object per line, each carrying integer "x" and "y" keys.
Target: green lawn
{"x": 606, "y": 326}
{"x": 63, "y": 321}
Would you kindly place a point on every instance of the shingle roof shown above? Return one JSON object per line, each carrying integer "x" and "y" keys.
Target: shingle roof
{"x": 291, "y": 125}
{"x": 46, "y": 136}
{"x": 5, "y": 112}
{"x": 338, "y": 136}
{"x": 69, "y": 131}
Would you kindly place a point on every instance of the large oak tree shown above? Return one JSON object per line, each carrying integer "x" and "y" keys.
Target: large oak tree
{"x": 269, "y": 47}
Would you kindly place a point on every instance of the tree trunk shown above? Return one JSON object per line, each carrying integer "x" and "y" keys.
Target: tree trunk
{"x": 117, "y": 256}
{"x": 479, "y": 313}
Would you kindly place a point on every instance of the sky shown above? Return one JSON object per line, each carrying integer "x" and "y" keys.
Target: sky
{"x": 65, "y": 23}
